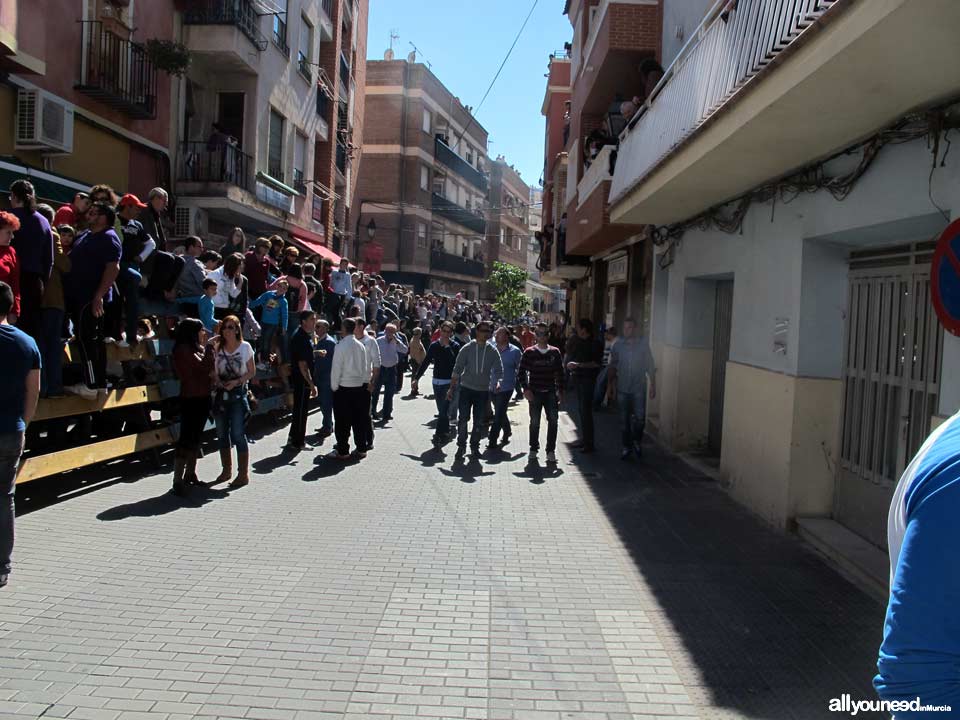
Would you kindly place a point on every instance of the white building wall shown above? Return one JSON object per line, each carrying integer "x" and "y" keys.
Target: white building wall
{"x": 680, "y": 21}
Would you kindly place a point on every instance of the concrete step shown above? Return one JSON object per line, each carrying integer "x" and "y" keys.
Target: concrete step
{"x": 863, "y": 563}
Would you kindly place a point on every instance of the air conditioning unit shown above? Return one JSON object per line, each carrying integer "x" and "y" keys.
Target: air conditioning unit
{"x": 44, "y": 122}
{"x": 190, "y": 221}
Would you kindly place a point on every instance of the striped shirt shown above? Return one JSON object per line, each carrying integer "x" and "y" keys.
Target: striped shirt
{"x": 541, "y": 370}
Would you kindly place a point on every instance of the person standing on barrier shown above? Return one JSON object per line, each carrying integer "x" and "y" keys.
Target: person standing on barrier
{"x": 233, "y": 369}
{"x": 193, "y": 364}
{"x": 20, "y": 360}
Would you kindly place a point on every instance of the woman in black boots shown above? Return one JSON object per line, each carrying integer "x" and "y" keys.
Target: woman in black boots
{"x": 193, "y": 363}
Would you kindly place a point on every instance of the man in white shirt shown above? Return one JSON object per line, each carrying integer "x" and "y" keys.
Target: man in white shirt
{"x": 342, "y": 285}
{"x": 373, "y": 352}
{"x": 350, "y": 377}
{"x": 391, "y": 348}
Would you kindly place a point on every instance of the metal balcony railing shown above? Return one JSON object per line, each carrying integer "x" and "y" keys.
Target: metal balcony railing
{"x": 344, "y": 72}
{"x": 280, "y": 36}
{"x": 199, "y": 162}
{"x": 304, "y": 67}
{"x": 240, "y": 13}
{"x": 461, "y": 167}
{"x": 731, "y": 47}
{"x": 443, "y": 261}
{"x": 299, "y": 183}
{"x": 458, "y": 214}
{"x": 323, "y": 105}
{"x": 327, "y": 7}
{"x": 341, "y": 159}
{"x": 275, "y": 169}
{"x": 117, "y": 72}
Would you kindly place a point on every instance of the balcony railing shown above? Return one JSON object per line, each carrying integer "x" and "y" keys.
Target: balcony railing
{"x": 299, "y": 183}
{"x": 323, "y": 105}
{"x": 199, "y": 162}
{"x": 458, "y": 214}
{"x": 460, "y": 166}
{"x": 275, "y": 169}
{"x": 596, "y": 174}
{"x": 729, "y": 49}
{"x": 342, "y": 159}
{"x": 240, "y": 13}
{"x": 304, "y": 66}
{"x": 117, "y": 72}
{"x": 442, "y": 261}
{"x": 344, "y": 72}
{"x": 317, "y": 210}
{"x": 280, "y": 36}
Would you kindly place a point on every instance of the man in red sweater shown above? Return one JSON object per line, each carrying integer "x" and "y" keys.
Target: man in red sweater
{"x": 541, "y": 377}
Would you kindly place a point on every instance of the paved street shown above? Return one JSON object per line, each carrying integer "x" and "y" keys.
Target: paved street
{"x": 404, "y": 587}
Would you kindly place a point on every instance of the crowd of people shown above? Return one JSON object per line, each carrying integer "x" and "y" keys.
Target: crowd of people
{"x": 101, "y": 270}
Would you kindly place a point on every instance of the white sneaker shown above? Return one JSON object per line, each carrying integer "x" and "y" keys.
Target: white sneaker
{"x": 87, "y": 393}
{"x": 533, "y": 455}
{"x": 551, "y": 457}
{"x": 109, "y": 341}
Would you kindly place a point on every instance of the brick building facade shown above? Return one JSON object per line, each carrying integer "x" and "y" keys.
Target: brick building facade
{"x": 420, "y": 202}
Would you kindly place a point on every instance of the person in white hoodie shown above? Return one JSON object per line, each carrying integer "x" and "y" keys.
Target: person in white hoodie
{"x": 350, "y": 376}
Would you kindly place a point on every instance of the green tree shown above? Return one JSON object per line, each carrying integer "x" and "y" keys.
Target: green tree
{"x": 509, "y": 283}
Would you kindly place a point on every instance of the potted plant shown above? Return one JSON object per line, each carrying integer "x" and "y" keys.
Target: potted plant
{"x": 171, "y": 57}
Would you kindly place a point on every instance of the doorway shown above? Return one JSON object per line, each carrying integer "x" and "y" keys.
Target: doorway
{"x": 892, "y": 354}
{"x": 230, "y": 106}
{"x": 722, "y": 325}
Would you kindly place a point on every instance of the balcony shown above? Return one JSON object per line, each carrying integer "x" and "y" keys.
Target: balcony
{"x": 344, "y": 73}
{"x": 611, "y": 58}
{"x": 280, "y": 36}
{"x": 460, "y": 215}
{"x": 458, "y": 165}
{"x": 445, "y": 262}
{"x": 323, "y": 113}
{"x": 305, "y": 67}
{"x": 342, "y": 159}
{"x": 747, "y": 101}
{"x": 326, "y": 20}
{"x": 589, "y": 231}
{"x": 222, "y": 165}
{"x": 224, "y": 30}
{"x": 299, "y": 182}
{"x": 117, "y": 72}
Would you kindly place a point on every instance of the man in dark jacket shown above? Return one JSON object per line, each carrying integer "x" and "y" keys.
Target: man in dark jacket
{"x": 151, "y": 217}
{"x": 584, "y": 362}
{"x": 443, "y": 354}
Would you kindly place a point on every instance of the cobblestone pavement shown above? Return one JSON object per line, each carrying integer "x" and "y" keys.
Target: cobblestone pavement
{"x": 407, "y": 587}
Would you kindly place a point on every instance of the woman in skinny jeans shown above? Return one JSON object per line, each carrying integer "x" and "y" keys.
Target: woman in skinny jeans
{"x": 193, "y": 362}
{"x": 233, "y": 368}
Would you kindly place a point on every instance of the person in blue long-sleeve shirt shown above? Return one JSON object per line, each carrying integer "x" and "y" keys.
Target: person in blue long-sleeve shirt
{"x": 204, "y": 304}
{"x": 273, "y": 322}
{"x": 33, "y": 243}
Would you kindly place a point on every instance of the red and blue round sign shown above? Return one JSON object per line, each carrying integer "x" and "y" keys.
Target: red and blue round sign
{"x": 945, "y": 278}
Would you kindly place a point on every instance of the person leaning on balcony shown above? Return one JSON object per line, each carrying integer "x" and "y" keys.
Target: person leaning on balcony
{"x": 33, "y": 242}
{"x": 190, "y": 282}
{"x": 73, "y": 213}
{"x": 151, "y": 217}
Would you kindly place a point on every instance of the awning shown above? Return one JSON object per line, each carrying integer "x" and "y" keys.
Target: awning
{"x": 317, "y": 248}
{"x": 49, "y": 186}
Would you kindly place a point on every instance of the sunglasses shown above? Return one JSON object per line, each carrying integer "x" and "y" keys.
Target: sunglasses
{"x": 229, "y": 327}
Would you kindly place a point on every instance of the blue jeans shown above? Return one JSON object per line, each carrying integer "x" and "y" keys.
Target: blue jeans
{"x": 443, "y": 410}
{"x": 501, "y": 401}
{"x": 11, "y": 448}
{"x": 633, "y": 416}
{"x": 550, "y": 405}
{"x": 325, "y": 399}
{"x": 386, "y": 381}
{"x": 232, "y": 422}
{"x": 475, "y": 402}
{"x": 51, "y": 351}
{"x": 128, "y": 282}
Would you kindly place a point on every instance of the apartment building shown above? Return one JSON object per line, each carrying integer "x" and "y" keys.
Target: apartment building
{"x": 81, "y": 100}
{"x": 421, "y": 202}
{"x": 508, "y": 217}
{"x": 270, "y": 134}
{"x": 791, "y": 311}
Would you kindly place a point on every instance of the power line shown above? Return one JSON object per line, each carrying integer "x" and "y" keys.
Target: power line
{"x": 499, "y": 70}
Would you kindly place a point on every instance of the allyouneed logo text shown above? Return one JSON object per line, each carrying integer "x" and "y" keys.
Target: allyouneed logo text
{"x": 846, "y": 704}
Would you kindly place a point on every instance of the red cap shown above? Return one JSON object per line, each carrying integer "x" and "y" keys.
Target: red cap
{"x": 129, "y": 199}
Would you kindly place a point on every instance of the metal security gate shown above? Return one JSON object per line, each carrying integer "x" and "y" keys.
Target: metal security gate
{"x": 892, "y": 355}
{"x": 722, "y": 325}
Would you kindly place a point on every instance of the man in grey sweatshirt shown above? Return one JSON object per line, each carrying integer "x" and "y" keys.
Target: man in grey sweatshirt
{"x": 478, "y": 367}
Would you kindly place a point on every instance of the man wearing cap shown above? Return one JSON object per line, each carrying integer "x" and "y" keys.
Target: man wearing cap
{"x": 137, "y": 247}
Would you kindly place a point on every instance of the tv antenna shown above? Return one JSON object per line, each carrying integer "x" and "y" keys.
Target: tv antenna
{"x": 417, "y": 51}
{"x": 394, "y": 36}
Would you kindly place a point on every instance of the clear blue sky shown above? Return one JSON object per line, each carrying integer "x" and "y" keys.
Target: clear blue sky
{"x": 465, "y": 41}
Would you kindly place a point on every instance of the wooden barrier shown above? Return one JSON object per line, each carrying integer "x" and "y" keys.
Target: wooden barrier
{"x": 75, "y": 405}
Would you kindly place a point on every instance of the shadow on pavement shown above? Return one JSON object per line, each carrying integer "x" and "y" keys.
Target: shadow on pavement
{"x": 325, "y": 467}
{"x": 537, "y": 473}
{"x": 466, "y": 469}
{"x": 771, "y": 631}
{"x": 267, "y": 465}
{"x": 163, "y": 504}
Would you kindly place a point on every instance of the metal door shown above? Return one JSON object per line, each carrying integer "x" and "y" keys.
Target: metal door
{"x": 722, "y": 324}
{"x": 892, "y": 357}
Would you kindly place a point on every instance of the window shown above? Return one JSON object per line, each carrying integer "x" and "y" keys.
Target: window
{"x": 470, "y": 155}
{"x": 280, "y": 28}
{"x": 421, "y": 235}
{"x": 299, "y": 163}
{"x": 503, "y": 236}
{"x": 424, "y": 178}
{"x": 436, "y": 236}
{"x": 275, "y": 146}
{"x": 438, "y": 183}
{"x": 426, "y": 121}
{"x": 305, "y": 53}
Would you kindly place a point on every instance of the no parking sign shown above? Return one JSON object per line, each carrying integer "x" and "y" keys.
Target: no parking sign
{"x": 945, "y": 278}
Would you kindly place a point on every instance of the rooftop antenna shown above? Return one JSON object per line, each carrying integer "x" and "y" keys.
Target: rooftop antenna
{"x": 417, "y": 51}
{"x": 394, "y": 36}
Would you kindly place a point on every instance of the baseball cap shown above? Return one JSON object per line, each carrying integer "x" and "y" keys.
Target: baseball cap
{"x": 130, "y": 199}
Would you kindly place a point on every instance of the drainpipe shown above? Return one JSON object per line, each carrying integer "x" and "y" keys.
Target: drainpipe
{"x": 403, "y": 164}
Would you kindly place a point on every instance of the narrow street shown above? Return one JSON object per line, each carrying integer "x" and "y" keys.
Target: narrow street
{"x": 405, "y": 587}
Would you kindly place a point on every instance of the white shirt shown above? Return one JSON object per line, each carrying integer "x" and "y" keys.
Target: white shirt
{"x": 227, "y": 288}
{"x": 352, "y": 366}
{"x": 373, "y": 349}
{"x": 341, "y": 282}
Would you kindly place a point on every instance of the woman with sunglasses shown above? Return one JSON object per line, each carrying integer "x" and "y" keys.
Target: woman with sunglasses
{"x": 233, "y": 368}
{"x": 193, "y": 363}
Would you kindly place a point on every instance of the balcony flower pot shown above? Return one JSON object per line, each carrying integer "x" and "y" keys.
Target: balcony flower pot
{"x": 173, "y": 58}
